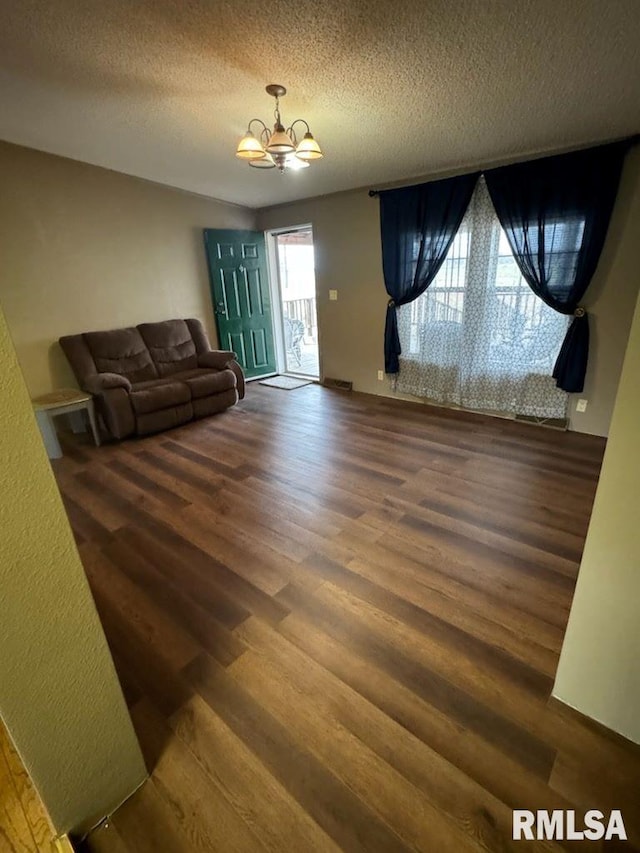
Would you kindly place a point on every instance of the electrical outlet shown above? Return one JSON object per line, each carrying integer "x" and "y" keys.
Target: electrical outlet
{"x": 581, "y": 406}
{"x": 333, "y": 295}
{"x": 380, "y": 375}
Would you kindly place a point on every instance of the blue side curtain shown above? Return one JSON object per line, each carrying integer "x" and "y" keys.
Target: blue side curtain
{"x": 417, "y": 224}
{"x": 555, "y": 212}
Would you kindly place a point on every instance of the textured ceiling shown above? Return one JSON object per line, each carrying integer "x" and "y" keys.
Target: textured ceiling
{"x": 163, "y": 89}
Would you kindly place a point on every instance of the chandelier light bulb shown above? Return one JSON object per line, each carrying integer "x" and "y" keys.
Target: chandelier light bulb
{"x": 295, "y": 164}
{"x": 249, "y": 148}
{"x": 308, "y": 148}
{"x": 280, "y": 141}
{"x": 266, "y": 162}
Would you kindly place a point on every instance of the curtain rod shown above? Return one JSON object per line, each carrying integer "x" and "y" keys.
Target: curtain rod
{"x": 632, "y": 140}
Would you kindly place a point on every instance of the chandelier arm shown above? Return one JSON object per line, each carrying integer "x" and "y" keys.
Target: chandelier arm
{"x": 301, "y": 121}
{"x": 260, "y": 122}
{"x": 291, "y": 130}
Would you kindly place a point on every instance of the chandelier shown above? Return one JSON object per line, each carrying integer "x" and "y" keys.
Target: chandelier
{"x": 278, "y": 147}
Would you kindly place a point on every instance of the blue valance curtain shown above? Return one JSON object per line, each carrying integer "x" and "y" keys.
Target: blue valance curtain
{"x": 418, "y": 224}
{"x": 555, "y": 212}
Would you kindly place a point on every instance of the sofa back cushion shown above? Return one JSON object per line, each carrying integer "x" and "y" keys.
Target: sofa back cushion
{"x": 121, "y": 351}
{"x": 171, "y": 346}
{"x": 79, "y": 356}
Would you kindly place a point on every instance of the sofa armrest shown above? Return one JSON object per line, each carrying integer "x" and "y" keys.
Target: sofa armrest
{"x": 217, "y": 359}
{"x": 221, "y": 360}
{"x": 101, "y": 382}
{"x": 233, "y": 365}
{"x": 114, "y": 404}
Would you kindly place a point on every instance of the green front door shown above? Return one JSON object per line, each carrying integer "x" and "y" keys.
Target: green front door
{"x": 240, "y": 296}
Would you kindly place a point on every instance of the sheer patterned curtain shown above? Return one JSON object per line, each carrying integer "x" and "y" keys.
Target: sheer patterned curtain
{"x": 479, "y": 337}
{"x": 540, "y": 204}
{"x": 417, "y": 226}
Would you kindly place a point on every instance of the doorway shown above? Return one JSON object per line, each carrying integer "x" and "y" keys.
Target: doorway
{"x": 296, "y": 295}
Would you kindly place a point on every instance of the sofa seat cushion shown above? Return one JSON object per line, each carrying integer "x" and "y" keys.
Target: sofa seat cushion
{"x": 164, "y": 419}
{"x": 203, "y": 382}
{"x": 147, "y": 397}
{"x": 215, "y": 403}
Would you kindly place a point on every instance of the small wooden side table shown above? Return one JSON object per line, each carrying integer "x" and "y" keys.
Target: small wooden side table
{"x": 62, "y": 402}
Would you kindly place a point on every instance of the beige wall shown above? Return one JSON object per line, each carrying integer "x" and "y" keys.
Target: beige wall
{"x": 348, "y": 258}
{"x": 59, "y": 695}
{"x": 85, "y": 248}
{"x": 599, "y": 671}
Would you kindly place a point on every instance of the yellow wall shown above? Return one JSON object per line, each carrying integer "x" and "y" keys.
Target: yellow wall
{"x": 599, "y": 671}
{"x": 84, "y": 248}
{"x": 346, "y": 234}
{"x": 59, "y": 695}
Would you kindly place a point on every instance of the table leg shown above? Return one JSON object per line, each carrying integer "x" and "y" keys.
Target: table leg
{"x": 77, "y": 421}
{"x": 91, "y": 411}
{"x": 49, "y": 435}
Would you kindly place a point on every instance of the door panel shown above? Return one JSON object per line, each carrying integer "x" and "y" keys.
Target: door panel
{"x": 240, "y": 296}
{"x": 260, "y": 351}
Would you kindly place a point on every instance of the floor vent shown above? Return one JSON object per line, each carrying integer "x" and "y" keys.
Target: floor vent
{"x": 552, "y": 423}
{"x": 340, "y": 384}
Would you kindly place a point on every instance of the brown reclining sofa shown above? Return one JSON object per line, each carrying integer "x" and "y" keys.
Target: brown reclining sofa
{"x": 154, "y": 376}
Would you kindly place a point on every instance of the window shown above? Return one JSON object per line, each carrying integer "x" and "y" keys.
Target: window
{"x": 479, "y": 337}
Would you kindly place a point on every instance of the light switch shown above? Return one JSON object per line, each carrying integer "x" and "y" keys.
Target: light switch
{"x": 333, "y": 295}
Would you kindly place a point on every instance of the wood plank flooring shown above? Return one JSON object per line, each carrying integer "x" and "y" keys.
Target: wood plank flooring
{"x": 24, "y": 823}
{"x": 337, "y": 619}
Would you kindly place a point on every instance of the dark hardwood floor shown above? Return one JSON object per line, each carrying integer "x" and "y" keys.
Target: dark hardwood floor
{"x": 337, "y": 620}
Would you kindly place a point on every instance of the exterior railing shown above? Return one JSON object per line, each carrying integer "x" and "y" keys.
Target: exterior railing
{"x": 517, "y": 313}
{"x": 305, "y": 311}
